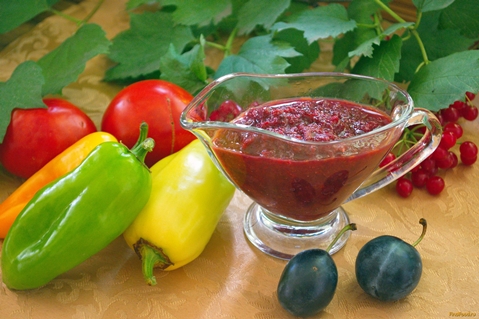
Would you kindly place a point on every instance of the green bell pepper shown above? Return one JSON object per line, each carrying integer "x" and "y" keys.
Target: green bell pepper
{"x": 77, "y": 215}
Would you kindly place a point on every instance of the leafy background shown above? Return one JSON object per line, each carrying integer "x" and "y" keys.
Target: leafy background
{"x": 435, "y": 56}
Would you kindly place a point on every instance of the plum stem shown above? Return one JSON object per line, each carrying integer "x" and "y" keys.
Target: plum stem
{"x": 351, "y": 226}
{"x": 423, "y": 222}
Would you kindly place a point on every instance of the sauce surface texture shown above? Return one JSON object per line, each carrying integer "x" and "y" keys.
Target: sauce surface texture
{"x": 315, "y": 120}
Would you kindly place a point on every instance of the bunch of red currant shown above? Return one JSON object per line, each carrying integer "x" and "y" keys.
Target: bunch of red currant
{"x": 425, "y": 174}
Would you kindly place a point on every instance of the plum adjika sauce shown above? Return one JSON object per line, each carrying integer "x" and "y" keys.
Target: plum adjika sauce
{"x": 297, "y": 180}
{"x": 315, "y": 120}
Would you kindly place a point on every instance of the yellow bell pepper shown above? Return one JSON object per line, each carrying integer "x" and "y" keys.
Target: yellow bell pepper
{"x": 189, "y": 195}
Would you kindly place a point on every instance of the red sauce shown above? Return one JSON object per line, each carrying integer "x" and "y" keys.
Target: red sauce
{"x": 297, "y": 180}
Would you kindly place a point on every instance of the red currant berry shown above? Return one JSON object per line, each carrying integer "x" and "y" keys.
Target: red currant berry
{"x": 429, "y": 165}
{"x": 455, "y": 128}
{"x": 459, "y": 105}
{"x": 444, "y": 163}
{"x": 439, "y": 118}
{"x": 468, "y": 160}
{"x": 404, "y": 187}
{"x": 448, "y": 140}
{"x": 435, "y": 185}
{"x": 416, "y": 168}
{"x": 454, "y": 159}
{"x": 470, "y": 113}
{"x": 387, "y": 159}
{"x": 450, "y": 114}
{"x": 419, "y": 178}
{"x": 470, "y": 96}
{"x": 227, "y": 111}
{"x": 439, "y": 153}
{"x": 468, "y": 149}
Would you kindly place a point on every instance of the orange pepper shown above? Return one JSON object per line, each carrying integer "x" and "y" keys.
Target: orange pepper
{"x": 63, "y": 163}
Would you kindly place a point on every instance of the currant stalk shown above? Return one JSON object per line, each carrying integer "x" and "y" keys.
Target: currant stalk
{"x": 78, "y": 22}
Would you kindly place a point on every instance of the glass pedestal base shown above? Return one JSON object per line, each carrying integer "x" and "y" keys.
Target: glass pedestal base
{"x": 283, "y": 238}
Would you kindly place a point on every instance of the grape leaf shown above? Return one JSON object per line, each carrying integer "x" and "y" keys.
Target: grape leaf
{"x": 309, "y": 52}
{"x": 385, "y": 61}
{"x": 431, "y": 5}
{"x": 186, "y": 70}
{"x": 258, "y": 55}
{"x": 319, "y": 23}
{"x": 63, "y": 65}
{"x": 13, "y": 13}
{"x": 445, "y": 80}
{"x": 22, "y": 90}
{"x": 260, "y": 12}
{"x": 433, "y": 40}
{"x": 462, "y": 15}
{"x": 201, "y": 12}
{"x": 139, "y": 49}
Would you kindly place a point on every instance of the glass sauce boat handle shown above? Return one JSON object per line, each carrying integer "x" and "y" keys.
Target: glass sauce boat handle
{"x": 408, "y": 160}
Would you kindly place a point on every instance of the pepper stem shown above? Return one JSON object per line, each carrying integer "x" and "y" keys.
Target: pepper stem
{"x": 351, "y": 226}
{"x": 151, "y": 257}
{"x": 143, "y": 134}
{"x": 143, "y": 145}
{"x": 423, "y": 222}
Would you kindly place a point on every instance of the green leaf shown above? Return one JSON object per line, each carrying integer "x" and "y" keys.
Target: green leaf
{"x": 440, "y": 83}
{"x": 186, "y": 70}
{"x": 201, "y": 12}
{"x": 13, "y": 13}
{"x": 63, "y": 65}
{"x": 383, "y": 64}
{"x": 360, "y": 11}
{"x": 132, "y": 4}
{"x": 366, "y": 48}
{"x": 433, "y": 39}
{"x": 359, "y": 91}
{"x": 385, "y": 61}
{"x": 462, "y": 15}
{"x": 319, "y": 23}
{"x": 258, "y": 55}
{"x": 309, "y": 52}
{"x": 22, "y": 90}
{"x": 139, "y": 49}
{"x": 260, "y": 12}
{"x": 431, "y": 5}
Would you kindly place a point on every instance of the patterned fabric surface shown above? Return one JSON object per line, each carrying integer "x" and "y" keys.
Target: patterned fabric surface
{"x": 232, "y": 279}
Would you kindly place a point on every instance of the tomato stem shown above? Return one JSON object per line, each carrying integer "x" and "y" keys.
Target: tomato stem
{"x": 423, "y": 222}
{"x": 351, "y": 226}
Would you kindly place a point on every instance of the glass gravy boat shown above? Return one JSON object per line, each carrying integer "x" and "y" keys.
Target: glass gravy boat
{"x": 298, "y": 186}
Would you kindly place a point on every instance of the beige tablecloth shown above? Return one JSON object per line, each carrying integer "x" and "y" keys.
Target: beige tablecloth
{"x": 232, "y": 279}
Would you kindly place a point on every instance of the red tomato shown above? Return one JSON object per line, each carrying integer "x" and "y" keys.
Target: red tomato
{"x": 158, "y": 103}
{"x": 36, "y": 136}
